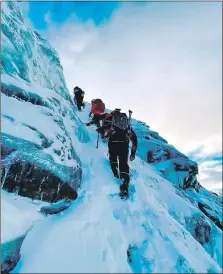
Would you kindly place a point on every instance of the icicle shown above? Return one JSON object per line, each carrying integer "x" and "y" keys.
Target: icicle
{"x": 58, "y": 188}
{"x": 41, "y": 184}
{"x": 17, "y": 192}
{"x": 7, "y": 167}
{"x": 40, "y": 188}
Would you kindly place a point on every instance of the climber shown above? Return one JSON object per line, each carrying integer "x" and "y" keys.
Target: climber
{"x": 79, "y": 97}
{"x": 97, "y": 108}
{"x": 117, "y": 128}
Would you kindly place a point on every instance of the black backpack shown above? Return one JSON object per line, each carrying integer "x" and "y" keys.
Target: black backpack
{"x": 120, "y": 121}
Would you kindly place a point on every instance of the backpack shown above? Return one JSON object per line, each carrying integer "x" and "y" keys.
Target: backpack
{"x": 99, "y": 105}
{"x": 120, "y": 121}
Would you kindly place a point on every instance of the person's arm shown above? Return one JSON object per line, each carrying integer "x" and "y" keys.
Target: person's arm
{"x": 101, "y": 117}
{"x": 134, "y": 141}
{"x": 105, "y": 127}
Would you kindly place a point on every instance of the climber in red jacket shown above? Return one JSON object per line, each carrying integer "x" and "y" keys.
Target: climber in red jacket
{"x": 97, "y": 108}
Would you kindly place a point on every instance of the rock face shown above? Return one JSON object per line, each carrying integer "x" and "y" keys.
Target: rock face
{"x": 174, "y": 165}
{"x": 182, "y": 172}
{"x": 11, "y": 254}
{"x": 39, "y": 127}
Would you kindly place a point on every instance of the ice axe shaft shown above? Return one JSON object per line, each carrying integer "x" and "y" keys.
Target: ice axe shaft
{"x": 97, "y": 140}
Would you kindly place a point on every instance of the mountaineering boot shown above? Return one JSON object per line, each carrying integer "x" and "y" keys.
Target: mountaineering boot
{"x": 124, "y": 191}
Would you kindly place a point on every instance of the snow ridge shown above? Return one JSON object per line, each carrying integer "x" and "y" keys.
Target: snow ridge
{"x": 170, "y": 224}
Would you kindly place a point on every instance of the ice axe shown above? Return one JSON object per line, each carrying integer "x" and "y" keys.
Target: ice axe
{"x": 130, "y": 114}
{"x": 97, "y": 140}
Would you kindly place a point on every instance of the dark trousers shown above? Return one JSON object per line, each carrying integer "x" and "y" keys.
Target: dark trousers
{"x": 79, "y": 100}
{"x": 80, "y": 103}
{"x": 118, "y": 157}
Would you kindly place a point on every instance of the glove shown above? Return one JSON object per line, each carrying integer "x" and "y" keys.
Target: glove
{"x": 90, "y": 114}
{"x": 132, "y": 157}
{"x": 87, "y": 124}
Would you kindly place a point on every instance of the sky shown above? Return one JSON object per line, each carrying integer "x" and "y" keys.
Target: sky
{"x": 163, "y": 60}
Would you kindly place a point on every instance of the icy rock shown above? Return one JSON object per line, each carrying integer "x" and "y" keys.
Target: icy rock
{"x": 11, "y": 254}
{"x": 40, "y": 129}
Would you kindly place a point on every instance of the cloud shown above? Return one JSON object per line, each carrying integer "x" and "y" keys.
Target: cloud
{"x": 47, "y": 17}
{"x": 210, "y": 149}
{"x": 162, "y": 60}
{"x": 209, "y": 157}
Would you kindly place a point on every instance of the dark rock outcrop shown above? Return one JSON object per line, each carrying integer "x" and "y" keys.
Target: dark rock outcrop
{"x": 29, "y": 172}
{"x": 204, "y": 209}
{"x": 10, "y": 254}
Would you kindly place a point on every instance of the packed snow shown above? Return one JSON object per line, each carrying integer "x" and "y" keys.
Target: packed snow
{"x": 161, "y": 228}
{"x": 94, "y": 234}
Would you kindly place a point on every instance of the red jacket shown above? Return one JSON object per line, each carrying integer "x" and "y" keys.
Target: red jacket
{"x": 97, "y": 107}
{"x": 94, "y": 109}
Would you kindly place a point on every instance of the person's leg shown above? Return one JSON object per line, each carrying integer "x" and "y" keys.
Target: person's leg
{"x": 123, "y": 166}
{"x": 96, "y": 118}
{"x": 78, "y": 106}
{"x": 123, "y": 161}
{"x": 78, "y": 103}
{"x": 113, "y": 158}
{"x": 82, "y": 103}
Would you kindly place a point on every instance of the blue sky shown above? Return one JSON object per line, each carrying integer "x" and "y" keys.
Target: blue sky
{"x": 161, "y": 59}
{"x": 60, "y": 11}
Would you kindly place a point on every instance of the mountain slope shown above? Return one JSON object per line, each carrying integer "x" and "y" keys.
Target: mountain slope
{"x": 38, "y": 157}
{"x": 98, "y": 232}
{"x": 170, "y": 223}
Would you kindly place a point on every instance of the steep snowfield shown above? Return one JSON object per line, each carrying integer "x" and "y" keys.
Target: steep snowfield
{"x": 169, "y": 224}
{"x": 38, "y": 157}
{"x": 94, "y": 234}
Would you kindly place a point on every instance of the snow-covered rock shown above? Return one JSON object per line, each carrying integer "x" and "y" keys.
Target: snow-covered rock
{"x": 178, "y": 169}
{"x": 170, "y": 223}
{"x": 38, "y": 119}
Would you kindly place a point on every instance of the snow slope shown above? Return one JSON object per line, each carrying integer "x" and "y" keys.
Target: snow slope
{"x": 96, "y": 234}
{"x": 170, "y": 223}
{"x": 38, "y": 157}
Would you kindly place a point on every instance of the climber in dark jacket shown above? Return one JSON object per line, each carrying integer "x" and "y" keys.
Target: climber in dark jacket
{"x": 118, "y": 148}
{"x": 79, "y": 97}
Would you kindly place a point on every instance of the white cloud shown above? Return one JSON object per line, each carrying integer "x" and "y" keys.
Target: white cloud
{"x": 210, "y": 144}
{"x": 162, "y": 60}
{"x": 47, "y": 18}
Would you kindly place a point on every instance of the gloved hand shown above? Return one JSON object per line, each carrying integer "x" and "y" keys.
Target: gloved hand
{"x": 90, "y": 114}
{"x": 132, "y": 157}
{"x": 87, "y": 124}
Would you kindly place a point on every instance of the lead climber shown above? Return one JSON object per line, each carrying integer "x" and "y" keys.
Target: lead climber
{"x": 79, "y": 97}
{"x": 117, "y": 128}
